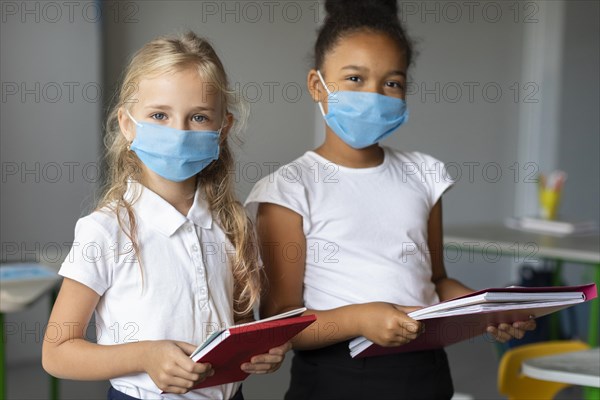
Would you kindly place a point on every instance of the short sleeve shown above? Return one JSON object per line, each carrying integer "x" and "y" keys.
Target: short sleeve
{"x": 435, "y": 177}
{"x": 89, "y": 261}
{"x": 284, "y": 189}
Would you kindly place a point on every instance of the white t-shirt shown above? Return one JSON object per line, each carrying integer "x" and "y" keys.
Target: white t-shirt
{"x": 183, "y": 289}
{"x": 365, "y": 228}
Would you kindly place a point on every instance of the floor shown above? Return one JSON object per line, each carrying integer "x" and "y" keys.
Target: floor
{"x": 473, "y": 363}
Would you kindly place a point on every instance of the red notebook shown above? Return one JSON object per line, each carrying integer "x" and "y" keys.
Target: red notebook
{"x": 469, "y": 316}
{"x": 227, "y": 350}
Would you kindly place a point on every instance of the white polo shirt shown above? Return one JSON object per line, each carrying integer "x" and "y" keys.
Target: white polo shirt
{"x": 365, "y": 228}
{"x": 183, "y": 289}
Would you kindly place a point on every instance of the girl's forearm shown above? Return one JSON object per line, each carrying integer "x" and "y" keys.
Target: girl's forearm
{"x": 82, "y": 360}
{"x": 448, "y": 288}
{"x": 332, "y": 326}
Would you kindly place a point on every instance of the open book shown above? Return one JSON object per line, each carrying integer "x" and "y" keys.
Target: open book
{"x": 469, "y": 316}
{"x": 228, "y": 349}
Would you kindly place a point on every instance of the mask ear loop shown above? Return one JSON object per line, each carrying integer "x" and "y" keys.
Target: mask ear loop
{"x": 133, "y": 119}
{"x": 220, "y": 130}
{"x": 326, "y": 88}
{"x": 135, "y": 122}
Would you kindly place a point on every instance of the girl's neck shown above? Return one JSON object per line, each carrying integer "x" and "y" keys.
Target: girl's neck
{"x": 338, "y": 152}
{"x": 179, "y": 194}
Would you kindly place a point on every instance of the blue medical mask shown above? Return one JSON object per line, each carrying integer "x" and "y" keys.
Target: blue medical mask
{"x": 174, "y": 154}
{"x": 362, "y": 119}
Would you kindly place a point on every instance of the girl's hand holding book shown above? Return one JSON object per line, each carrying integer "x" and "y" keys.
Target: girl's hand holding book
{"x": 504, "y": 332}
{"x": 169, "y": 365}
{"x": 267, "y": 363}
{"x": 388, "y": 324}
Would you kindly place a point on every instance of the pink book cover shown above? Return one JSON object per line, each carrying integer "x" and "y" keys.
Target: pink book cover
{"x": 444, "y": 331}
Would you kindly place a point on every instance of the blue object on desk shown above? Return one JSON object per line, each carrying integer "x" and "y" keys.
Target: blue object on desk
{"x": 19, "y": 272}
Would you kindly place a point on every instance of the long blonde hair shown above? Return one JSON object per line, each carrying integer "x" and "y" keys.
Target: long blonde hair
{"x": 165, "y": 55}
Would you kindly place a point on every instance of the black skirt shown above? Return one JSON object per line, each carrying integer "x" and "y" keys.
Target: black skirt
{"x": 330, "y": 373}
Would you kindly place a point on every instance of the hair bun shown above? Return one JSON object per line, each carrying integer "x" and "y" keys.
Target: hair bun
{"x": 338, "y": 8}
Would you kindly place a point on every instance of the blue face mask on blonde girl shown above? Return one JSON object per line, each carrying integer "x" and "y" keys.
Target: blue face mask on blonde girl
{"x": 174, "y": 154}
{"x": 177, "y": 126}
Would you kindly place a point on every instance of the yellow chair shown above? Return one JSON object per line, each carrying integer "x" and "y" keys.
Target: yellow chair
{"x": 518, "y": 386}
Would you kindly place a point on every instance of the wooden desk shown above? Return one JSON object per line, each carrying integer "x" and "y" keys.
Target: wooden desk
{"x": 575, "y": 368}
{"x": 499, "y": 240}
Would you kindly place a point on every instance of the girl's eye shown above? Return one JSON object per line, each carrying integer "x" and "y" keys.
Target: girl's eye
{"x": 354, "y": 78}
{"x": 158, "y": 116}
{"x": 199, "y": 118}
{"x": 395, "y": 85}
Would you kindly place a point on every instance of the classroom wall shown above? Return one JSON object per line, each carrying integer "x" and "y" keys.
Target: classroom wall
{"x": 267, "y": 56}
{"x": 50, "y": 139}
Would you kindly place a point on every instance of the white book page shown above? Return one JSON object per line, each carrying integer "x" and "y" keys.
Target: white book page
{"x": 283, "y": 315}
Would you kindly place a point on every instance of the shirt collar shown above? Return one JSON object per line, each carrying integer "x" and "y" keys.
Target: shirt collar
{"x": 156, "y": 211}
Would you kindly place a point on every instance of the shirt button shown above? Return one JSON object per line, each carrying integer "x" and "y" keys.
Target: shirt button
{"x": 189, "y": 229}
{"x": 195, "y": 247}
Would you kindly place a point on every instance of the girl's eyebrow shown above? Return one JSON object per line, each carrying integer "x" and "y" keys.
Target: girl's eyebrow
{"x": 397, "y": 72}
{"x": 203, "y": 108}
{"x": 355, "y": 67}
{"x": 167, "y": 107}
{"x": 158, "y": 106}
{"x": 365, "y": 69}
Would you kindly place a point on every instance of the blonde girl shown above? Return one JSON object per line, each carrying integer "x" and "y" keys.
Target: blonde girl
{"x": 167, "y": 257}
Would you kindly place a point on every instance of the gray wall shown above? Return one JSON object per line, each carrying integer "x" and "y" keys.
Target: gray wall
{"x": 50, "y": 138}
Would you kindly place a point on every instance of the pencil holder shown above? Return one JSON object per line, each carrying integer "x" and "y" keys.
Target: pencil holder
{"x": 549, "y": 201}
